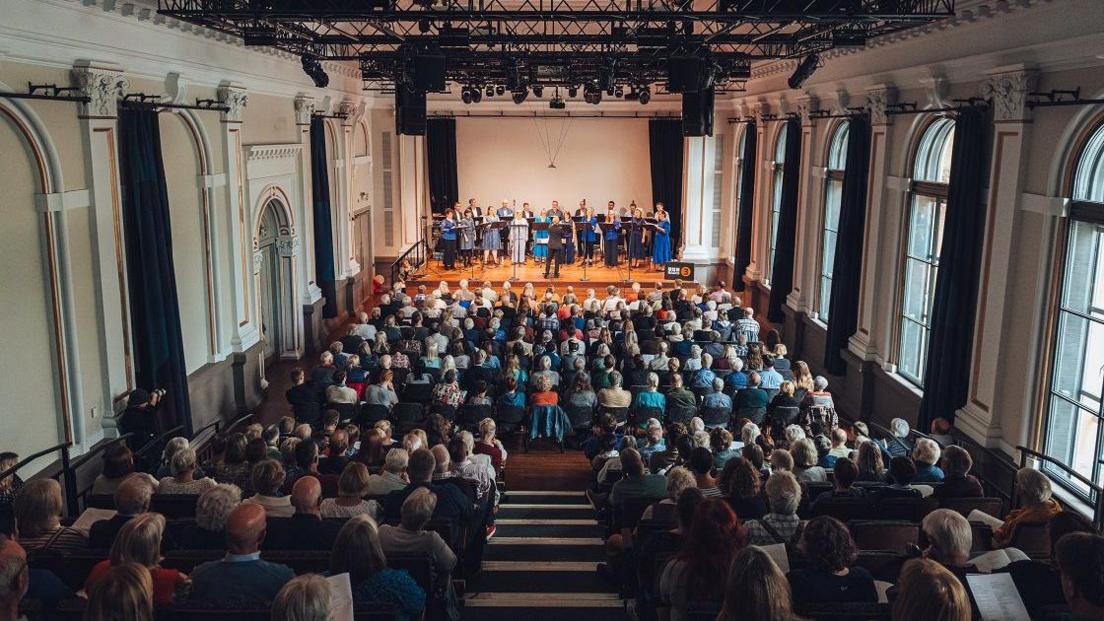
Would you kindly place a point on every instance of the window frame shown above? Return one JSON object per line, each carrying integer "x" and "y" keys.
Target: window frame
{"x": 1082, "y": 210}
{"x": 835, "y": 169}
{"x": 934, "y": 141}
{"x": 778, "y": 165}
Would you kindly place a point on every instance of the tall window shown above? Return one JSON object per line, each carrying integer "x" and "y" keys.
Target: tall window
{"x": 776, "y": 202}
{"x": 718, "y": 186}
{"x": 1074, "y": 434}
{"x": 927, "y": 206}
{"x": 737, "y": 182}
{"x": 833, "y": 196}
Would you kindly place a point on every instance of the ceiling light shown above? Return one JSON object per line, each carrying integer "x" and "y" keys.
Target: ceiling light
{"x": 520, "y": 94}
{"x": 645, "y": 96}
{"x": 466, "y": 95}
{"x": 538, "y": 90}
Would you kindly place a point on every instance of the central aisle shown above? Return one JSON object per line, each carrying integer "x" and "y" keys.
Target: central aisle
{"x": 541, "y": 563}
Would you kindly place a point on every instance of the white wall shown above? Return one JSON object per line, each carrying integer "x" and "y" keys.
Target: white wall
{"x": 601, "y": 160}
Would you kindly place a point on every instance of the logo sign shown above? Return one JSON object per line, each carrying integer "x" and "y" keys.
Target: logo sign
{"x": 679, "y": 270}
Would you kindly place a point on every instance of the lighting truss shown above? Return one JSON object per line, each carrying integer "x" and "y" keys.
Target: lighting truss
{"x": 557, "y": 42}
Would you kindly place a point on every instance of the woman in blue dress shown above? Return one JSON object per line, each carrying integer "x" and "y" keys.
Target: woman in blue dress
{"x": 636, "y": 238}
{"x": 448, "y": 238}
{"x": 540, "y": 240}
{"x": 661, "y": 246}
{"x": 590, "y": 236}
{"x": 611, "y": 233}
{"x": 492, "y": 242}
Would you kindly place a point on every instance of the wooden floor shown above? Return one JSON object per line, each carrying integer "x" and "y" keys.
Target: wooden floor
{"x": 545, "y": 468}
{"x": 593, "y": 276}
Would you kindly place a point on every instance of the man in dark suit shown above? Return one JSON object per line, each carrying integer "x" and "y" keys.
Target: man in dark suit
{"x": 132, "y": 498}
{"x": 303, "y": 397}
{"x": 306, "y": 530}
{"x": 555, "y": 247}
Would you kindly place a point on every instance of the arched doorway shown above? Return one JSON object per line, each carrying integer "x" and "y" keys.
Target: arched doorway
{"x": 271, "y": 288}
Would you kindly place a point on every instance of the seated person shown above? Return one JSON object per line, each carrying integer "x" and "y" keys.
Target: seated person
{"x": 118, "y": 464}
{"x": 831, "y": 578}
{"x": 782, "y": 524}
{"x": 268, "y": 480}
{"x": 926, "y": 455}
{"x": 652, "y": 441}
{"x": 37, "y": 511}
{"x": 352, "y": 487}
{"x": 717, "y": 399}
{"x": 678, "y": 479}
{"x": 411, "y": 537}
{"x": 452, "y": 504}
{"x": 700, "y": 463}
{"x": 208, "y": 531}
{"x": 845, "y": 473}
{"x": 357, "y": 552}
{"x": 650, "y": 397}
{"x": 926, "y": 591}
{"x": 756, "y": 588}
{"x": 139, "y": 541}
{"x": 957, "y": 480}
{"x": 805, "y": 462}
{"x": 132, "y": 498}
{"x": 901, "y": 471}
{"x": 305, "y": 529}
{"x": 751, "y": 398}
{"x": 393, "y": 476}
{"x": 637, "y": 483}
{"x": 745, "y": 492}
{"x": 182, "y": 465}
{"x": 305, "y": 598}
{"x": 544, "y": 395}
{"x": 898, "y": 445}
{"x": 1080, "y": 560}
{"x": 241, "y": 578}
{"x": 720, "y": 442}
{"x": 679, "y": 397}
{"x": 615, "y": 396}
{"x": 1036, "y": 505}
{"x": 1039, "y": 582}
{"x": 714, "y": 538}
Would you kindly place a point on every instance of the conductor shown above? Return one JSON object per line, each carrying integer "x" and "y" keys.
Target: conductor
{"x": 556, "y": 232}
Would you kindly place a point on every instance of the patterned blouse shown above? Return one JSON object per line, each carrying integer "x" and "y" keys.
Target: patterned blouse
{"x": 447, "y": 393}
{"x": 395, "y": 587}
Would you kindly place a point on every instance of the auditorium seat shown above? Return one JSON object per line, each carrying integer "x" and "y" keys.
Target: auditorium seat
{"x": 73, "y": 610}
{"x": 886, "y": 535}
{"x": 372, "y": 413}
{"x": 845, "y": 509}
{"x": 911, "y": 509}
{"x": 1032, "y": 540}
{"x": 992, "y": 506}
{"x": 509, "y": 418}
{"x": 882, "y": 565}
{"x": 857, "y": 611}
{"x": 174, "y": 506}
{"x": 407, "y": 416}
{"x": 716, "y": 417}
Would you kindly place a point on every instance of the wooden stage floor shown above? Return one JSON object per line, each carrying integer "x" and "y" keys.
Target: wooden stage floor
{"x": 594, "y": 276}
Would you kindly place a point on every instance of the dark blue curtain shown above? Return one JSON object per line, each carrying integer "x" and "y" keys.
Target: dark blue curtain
{"x": 441, "y": 151}
{"x": 665, "y": 152}
{"x": 154, "y": 307}
{"x": 324, "y": 274}
{"x": 947, "y": 372}
{"x": 746, "y": 216}
{"x": 843, "y": 307}
{"x": 782, "y": 270}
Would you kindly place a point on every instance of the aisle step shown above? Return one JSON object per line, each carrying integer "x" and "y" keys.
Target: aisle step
{"x": 564, "y": 512}
{"x": 537, "y": 522}
{"x": 529, "y": 600}
{"x": 526, "y": 611}
{"x": 523, "y": 566}
{"x": 551, "y": 581}
{"x": 540, "y": 553}
{"x": 521, "y": 528}
{"x": 544, "y": 498}
{"x": 547, "y": 541}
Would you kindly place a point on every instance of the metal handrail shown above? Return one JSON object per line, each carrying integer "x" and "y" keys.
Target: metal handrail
{"x": 69, "y": 485}
{"x": 1098, "y": 507}
{"x": 420, "y": 252}
{"x": 238, "y": 422}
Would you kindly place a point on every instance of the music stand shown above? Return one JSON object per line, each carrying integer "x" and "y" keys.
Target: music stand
{"x": 528, "y": 225}
{"x": 460, "y": 231}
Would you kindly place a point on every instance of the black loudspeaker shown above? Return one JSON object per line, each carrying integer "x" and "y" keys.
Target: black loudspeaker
{"x": 410, "y": 111}
{"x": 697, "y": 112}
{"x": 684, "y": 73}
{"x": 429, "y": 72}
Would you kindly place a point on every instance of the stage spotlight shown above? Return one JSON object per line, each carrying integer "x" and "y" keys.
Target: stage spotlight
{"x": 424, "y": 26}
{"x": 538, "y": 90}
{"x": 592, "y": 94}
{"x": 490, "y": 91}
{"x": 645, "y": 95}
{"x": 804, "y": 69}
{"x": 500, "y": 90}
{"x": 619, "y": 91}
{"x": 557, "y": 103}
{"x": 572, "y": 91}
{"x": 314, "y": 69}
{"x": 476, "y": 94}
{"x": 520, "y": 94}
{"x": 466, "y": 95}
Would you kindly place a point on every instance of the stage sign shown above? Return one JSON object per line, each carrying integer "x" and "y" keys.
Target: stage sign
{"x": 679, "y": 270}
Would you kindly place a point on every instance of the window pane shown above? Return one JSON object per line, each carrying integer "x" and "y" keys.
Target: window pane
{"x": 921, "y": 227}
{"x": 913, "y": 337}
{"x": 832, "y": 204}
{"x": 829, "y": 254}
{"x": 1081, "y": 288}
{"x": 1071, "y": 439}
{"x": 825, "y": 298}
{"x": 914, "y": 301}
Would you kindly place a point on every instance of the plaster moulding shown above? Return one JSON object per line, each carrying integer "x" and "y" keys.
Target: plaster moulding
{"x": 272, "y": 151}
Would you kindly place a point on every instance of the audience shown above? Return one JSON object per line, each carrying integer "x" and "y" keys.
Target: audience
{"x": 714, "y": 537}
{"x": 357, "y": 552}
{"x": 124, "y": 593}
{"x": 139, "y": 542}
{"x": 352, "y": 487}
{"x": 1036, "y": 505}
{"x": 241, "y": 577}
{"x": 268, "y": 481}
{"x": 781, "y": 524}
{"x": 304, "y": 529}
{"x": 957, "y": 480}
{"x": 304, "y": 598}
{"x": 182, "y": 466}
{"x": 37, "y": 511}
{"x": 832, "y": 577}
{"x": 756, "y": 589}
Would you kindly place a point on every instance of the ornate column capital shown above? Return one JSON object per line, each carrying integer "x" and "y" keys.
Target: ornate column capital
{"x": 304, "y": 108}
{"x": 287, "y": 246}
{"x": 1008, "y": 88}
{"x": 761, "y": 109}
{"x": 104, "y": 84}
{"x": 806, "y": 105}
{"x": 351, "y": 110}
{"x": 878, "y": 98}
{"x": 233, "y": 96}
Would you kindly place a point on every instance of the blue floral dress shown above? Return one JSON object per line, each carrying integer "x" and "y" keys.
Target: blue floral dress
{"x": 661, "y": 247}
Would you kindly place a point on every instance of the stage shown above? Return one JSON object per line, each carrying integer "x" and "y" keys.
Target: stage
{"x": 595, "y": 276}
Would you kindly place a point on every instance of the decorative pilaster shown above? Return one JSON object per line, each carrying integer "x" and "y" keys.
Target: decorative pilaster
{"x": 343, "y": 169}
{"x": 105, "y": 84}
{"x": 878, "y": 99}
{"x": 304, "y": 110}
{"x": 809, "y": 206}
{"x": 761, "y": 110}
{"x": 981, "y": 417}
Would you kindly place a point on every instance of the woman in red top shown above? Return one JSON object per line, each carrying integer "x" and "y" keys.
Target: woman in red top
{"x": 488, "y": 444}
{"x": 139, "y": 541}
{"x": 544, "y": 395}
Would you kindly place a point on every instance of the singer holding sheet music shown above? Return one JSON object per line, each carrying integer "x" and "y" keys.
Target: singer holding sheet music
{"x": 612, "y": 231}
{"x": 492, "y": 241}
{"x": 519, "y": 236}
{"x": 590, "y": 235}
{"x": 636, "y": 237}
{"x": 661, "y": 245}
{"x": 466, "y": 227}
{"x": 448, "y": 236}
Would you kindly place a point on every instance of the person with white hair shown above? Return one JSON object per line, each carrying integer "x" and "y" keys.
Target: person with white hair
{"x": 393, "y": 476}
{"x": 679, "y": 478}
{"x": 950, "y": 539}
{"x": 213, "y": 508}
{"x": 694, "y": 361}
{"x": 304, "y": 598}
{"x": 1037, "y": 505}
{"x": 749, "y": 434}
{"x": 805, "y": 462}
{"x": 182, "y": 465}
{"x": 793, "y": 433}
{"x": 717, "y": 399}
{"x": 747, "y": 326}
{"x": 736, "y": 379}
{"x": 781, "y": 524}
{"x": 899, "y": 445}
{"x": 703, "y": 377}
{"x": 174, "y": 445}
{"x": 926, "y": 455}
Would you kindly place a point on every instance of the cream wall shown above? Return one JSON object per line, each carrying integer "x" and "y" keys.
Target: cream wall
{"x": 601, "y": 160}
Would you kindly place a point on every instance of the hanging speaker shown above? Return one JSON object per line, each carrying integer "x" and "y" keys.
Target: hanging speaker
{"x": 410, "y": 111}
{"x": 697, "y": 112}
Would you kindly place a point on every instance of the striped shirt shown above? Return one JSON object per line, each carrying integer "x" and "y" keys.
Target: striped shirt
{"x": 62, "y": 539}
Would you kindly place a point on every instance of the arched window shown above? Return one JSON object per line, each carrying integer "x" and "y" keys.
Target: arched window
{"x": 927, "y": 206}
{"x": 833, "y": 195}
{"x": 1073, "y": 427}
{"x": 776, "y": 202}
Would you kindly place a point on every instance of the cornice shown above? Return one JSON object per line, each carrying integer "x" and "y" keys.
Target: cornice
{"x": 260, "y": 152}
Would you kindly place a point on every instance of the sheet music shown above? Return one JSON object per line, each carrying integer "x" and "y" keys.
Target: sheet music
{"x": 341, "y": 598}
{"x": 777, "y": 552}
{"x": 883, "y": 590}
{"x": 985, "y": 518}
{"x": 997, "y": 598}
{"x": 991, "y": 561}
{"x": 90, "y": 516}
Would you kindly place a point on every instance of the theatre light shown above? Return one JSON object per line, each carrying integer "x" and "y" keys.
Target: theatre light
{"x": 314, "y": 69}
{"x": 520, "y": 94}
{"x": 645, "y": 95}
{"x": 804, "y": 69}
{"x": 466, "y": 95}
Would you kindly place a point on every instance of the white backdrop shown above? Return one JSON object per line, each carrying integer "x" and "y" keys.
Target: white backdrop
{"x": 601, "y": 160}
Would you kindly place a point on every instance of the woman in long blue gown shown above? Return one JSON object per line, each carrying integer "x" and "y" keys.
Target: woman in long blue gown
{"x": 661, "y": 246}
{"x": 540, "y": 240}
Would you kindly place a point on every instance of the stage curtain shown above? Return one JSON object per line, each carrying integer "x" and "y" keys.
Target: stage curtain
{"x": 154, "y": 307}
{"x": 441, "y": 149}
{"x": 745, "y": 217}
{"x": 951, "y": 340}
{"x": 843, "y": 307}
{"x": 782, "y": 271}
{"x": 323, "y": 229}
{"x": 666, "y": 153}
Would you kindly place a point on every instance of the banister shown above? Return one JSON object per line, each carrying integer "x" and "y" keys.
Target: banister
{"x": 69, "y": 484}
{"x": 28, "y": 459}
{"x": 1098, "y": 506}
{"x": 419, "y": 252}
{"x": 164, "y": 437}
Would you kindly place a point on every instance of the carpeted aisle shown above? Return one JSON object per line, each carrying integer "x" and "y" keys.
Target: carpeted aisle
{"x": 541, "y": 563}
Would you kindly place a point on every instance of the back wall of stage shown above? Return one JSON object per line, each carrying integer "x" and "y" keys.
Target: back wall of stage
{"x": 600, "y": 159}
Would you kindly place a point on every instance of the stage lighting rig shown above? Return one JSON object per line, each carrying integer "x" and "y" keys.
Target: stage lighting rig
{"x": 557, "y": 102}
{"x": 490, "y": 91}
{"x": 476, "y": 94}
{"x": 619, "y": 91}
{"x": 538, "y": 90}
{"x": 804, "y": 69}
{"x": 592, "y": 94}
{"x": 572, "y": 91}
{"x": 520, "y": 94}
{"x": 466, "y": 95}
{"x": 644, "y": 94}
{"x": 500, "y": 90}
